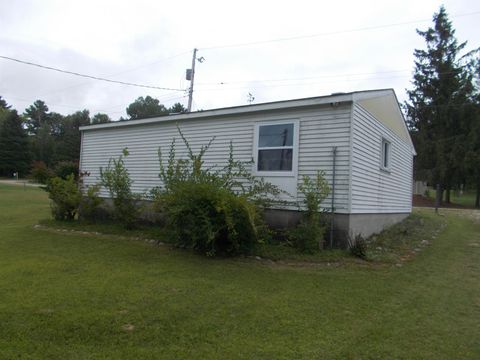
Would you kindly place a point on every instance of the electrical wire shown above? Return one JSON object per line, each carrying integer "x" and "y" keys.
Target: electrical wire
{"x": 299, "y": 37}
{"x": 88, "y": 76}
{"x": 118, "y": 73}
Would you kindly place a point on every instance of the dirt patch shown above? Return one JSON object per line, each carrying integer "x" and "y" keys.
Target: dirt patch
{"x": 128, "y": 327}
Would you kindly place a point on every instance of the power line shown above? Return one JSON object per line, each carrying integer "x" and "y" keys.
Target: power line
{"x": 88, "y": 76}
{"x": 299, "y": 37}
{"x": 303, "y": 78}
{"x": 120, "y": 73}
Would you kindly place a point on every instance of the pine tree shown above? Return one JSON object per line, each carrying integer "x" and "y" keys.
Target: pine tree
{"x": 442, "y": 85}
{"x": 37, "y": 116}
{"x": 14, "y": 152}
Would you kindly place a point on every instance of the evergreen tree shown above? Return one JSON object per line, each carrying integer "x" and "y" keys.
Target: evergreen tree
{"x": 14, "y": 152}
{"x": 3, "y": 104}
{"x": 37, "y": 116}
{"x": 69, "y": 138}
{"x": 442, "y": 85}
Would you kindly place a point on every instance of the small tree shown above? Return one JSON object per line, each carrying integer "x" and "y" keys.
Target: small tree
{"x": 65, "y": 195}
{"x": 309, "y": 234}
{"x": 116, "y": 179}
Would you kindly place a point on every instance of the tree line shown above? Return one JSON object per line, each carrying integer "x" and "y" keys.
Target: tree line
{"x": 39, "y": 140}
{"x": 443, "y": 110}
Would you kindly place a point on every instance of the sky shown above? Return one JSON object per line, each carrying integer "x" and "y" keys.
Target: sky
{"x": 273, "y": 50}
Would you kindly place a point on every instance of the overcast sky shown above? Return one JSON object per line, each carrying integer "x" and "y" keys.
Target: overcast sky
{"x": 337, "y": 46}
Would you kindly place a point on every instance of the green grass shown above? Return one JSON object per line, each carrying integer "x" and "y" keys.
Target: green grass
{"x": 466, "y": 199}
{"x": 71, "y": 296}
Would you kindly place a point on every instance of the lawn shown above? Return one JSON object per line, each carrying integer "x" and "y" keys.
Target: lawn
{"x": 74, "y": 296}
{"x": 466, "y": 199}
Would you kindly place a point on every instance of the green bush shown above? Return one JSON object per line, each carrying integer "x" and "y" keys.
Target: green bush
{"x": 90, "y": 206}
{"x": 216, "y": 211}
{"x": 210, "y": 220}
{"x": 65, "y": 195}
{"x": 308, "y": 236}
{"x": 116, "y": 179}
{"x": 65, "y": 168}
{"x": 40, "y": 172}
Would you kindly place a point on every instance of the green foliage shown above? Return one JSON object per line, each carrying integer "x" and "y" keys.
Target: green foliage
{"x": 3, "y": 104}
{"x": 37, "y": 116}
{"x": 144, "y": 107}
{"x": 211, "y": 220}
{"x": 65, "y": 168}
{"x": 90, "y": 207}
{"x": 116, "y": 179}
{"x": 41, "y": 173}
{"x": 214, "y": 211}
{"x": 437, "y": 109}
{"x": 314, "y": 192}
{"x": 66, "y": 197}
{"x": 69, "y": 137}
{"x": 14, "y": 147}
{"x": 100, "y": 118}
{"x": 235, "y": 176}
{"x": 308, "y": 236}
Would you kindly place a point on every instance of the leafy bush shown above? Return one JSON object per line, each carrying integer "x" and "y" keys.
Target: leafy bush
{"x": 65, "y": 168}
{"x": 90, "y": 207}
{"x": 65, "y": 195}
{"x": 309, "y": 234}
{"x": 40, "y": 172}
{"x": 211, "y": 220}
{"x": 214, "y": 211}
{"x": 116, "y": 179}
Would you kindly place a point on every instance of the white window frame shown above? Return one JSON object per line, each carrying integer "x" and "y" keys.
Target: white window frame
{"x": 294, "y": 147}
{"x": 387, "y": 156}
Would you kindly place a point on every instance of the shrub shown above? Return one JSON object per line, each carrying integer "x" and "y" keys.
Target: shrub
{"x": 309, "y": 234}
{"x": 90, "y": 206}
{"x": 216, "y": 211}
{"x": 40, "y": 172}
{"x": 211, "y": 220}
{"x": 116, "y": 179}
{"x": 65, "y": 168}
{"x": 65, "y": 195}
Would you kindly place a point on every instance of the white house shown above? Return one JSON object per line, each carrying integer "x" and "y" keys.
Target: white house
{"x": 370, "y": 169}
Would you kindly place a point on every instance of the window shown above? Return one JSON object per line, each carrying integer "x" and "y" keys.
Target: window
{"x": 275, "y": 147}
{"x": 386, "y": 154}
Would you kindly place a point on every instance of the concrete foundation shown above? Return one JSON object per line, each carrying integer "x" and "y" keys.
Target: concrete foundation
{"x": 346, "y": 226}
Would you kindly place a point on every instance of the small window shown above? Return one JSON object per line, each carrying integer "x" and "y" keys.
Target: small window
{"x": 386, "y": 154}
{"x": 275, "y": 147}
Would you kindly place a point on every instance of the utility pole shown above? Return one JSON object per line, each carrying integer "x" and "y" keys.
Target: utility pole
{"x": 191, "y": 77}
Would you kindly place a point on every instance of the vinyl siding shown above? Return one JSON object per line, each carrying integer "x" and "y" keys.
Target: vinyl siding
{"x": 320, "y": 128}
{"x": 375, "y": 190}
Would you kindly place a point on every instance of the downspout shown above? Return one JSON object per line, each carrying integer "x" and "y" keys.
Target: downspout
{"x": 332, "y": 218}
